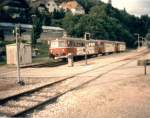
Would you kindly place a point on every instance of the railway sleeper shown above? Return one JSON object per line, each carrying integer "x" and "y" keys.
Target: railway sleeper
{"x": 3, "y": 114}
{"x": 46, "y": 94}
{"x": 22, "y": 103}
{"x": 42, "y": 96}
{"x": 9, "y": 111}
{"x": 33, "y": 98}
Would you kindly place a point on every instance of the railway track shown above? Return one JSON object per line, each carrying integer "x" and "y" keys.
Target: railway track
{"x": 3, "y": 74}
{"x": 20, "y": 104}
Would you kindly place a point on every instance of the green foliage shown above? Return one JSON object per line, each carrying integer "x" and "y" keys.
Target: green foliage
{"x": 69, "y": 23}
{"x": 99, "y": 10}
{"x": 88, "y": 4}
{"x": 144, "y": 24}
{"x": 148, "y": 36}
{"x": 58, "y": 14}
{"x": 106, "y": 22}
{"x": 101, "y": 20}
{"x": 37, "y": 28}
{"x": 1, "y": 35}
{"x": 148, "y": 39}
{"x": 2, "y": 44}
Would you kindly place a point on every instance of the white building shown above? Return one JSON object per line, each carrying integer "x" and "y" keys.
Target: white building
{"x": 51, "y": 5}
{"x": 73, "y": 6}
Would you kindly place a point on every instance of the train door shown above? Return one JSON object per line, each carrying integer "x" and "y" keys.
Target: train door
{"x": 117, "y": 47}
{"x": 101, "y": 47}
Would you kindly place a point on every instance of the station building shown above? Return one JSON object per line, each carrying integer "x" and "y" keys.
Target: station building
{"x": 47, "y": 34}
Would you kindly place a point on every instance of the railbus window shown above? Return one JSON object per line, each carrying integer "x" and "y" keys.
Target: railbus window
{"x": 71, "y": 43}
{"x": 62, "y": 44}
{"x": 82, "y": 44}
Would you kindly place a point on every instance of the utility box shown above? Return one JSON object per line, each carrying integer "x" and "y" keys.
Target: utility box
{"x": 25, "y": 54}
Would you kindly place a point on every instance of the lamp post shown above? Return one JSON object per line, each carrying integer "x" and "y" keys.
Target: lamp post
{"x": 143, "y": 39}
{"x": 138, "y": 39}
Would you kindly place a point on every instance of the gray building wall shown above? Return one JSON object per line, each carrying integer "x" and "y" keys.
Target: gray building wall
{"x": 48, "y": 32}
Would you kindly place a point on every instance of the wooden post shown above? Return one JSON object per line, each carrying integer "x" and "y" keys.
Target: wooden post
{"x": 145, "y": 69}
{"x": 144, "y": 63}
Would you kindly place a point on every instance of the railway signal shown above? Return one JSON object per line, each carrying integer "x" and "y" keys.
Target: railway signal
{"x": 17, "y": 34}
{"x": 143, "y": 41}
{"x": 86, "y": 37}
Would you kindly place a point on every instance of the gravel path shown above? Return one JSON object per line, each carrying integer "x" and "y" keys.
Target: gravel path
{"x": 113, "y": 94}
{"x": 35, "y": 77}
{"x": 122, "y": 93}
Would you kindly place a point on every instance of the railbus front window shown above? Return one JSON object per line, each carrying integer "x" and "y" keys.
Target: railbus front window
{"x": 54, "y": 44}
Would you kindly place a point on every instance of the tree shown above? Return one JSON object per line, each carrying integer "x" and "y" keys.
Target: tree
{"x": 2, "y": 44}
{"x": 148, "y": 36}
{"x": 1, "y": 35}
{"x": 88, "y": 4}
{"x": 99, "y": 10}
{"x": 37, "y": 29}
{"x": 69, "y": 22}
{"x": 144, "y": 24}
{"x": 58, "y": 14}
{"x": 105, "y": 22}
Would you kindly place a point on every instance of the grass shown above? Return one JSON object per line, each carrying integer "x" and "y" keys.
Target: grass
{"x": 3, "y": 62}
{"x": 43, "y": 53}
{"x": 43, "y": 50}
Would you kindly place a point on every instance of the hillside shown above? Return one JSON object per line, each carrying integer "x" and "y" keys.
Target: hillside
{"x": 101, "y": 20}
{"x": 105, "y": 22}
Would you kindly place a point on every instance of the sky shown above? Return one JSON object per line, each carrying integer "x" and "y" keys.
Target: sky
{"x": 136, "y": 7}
